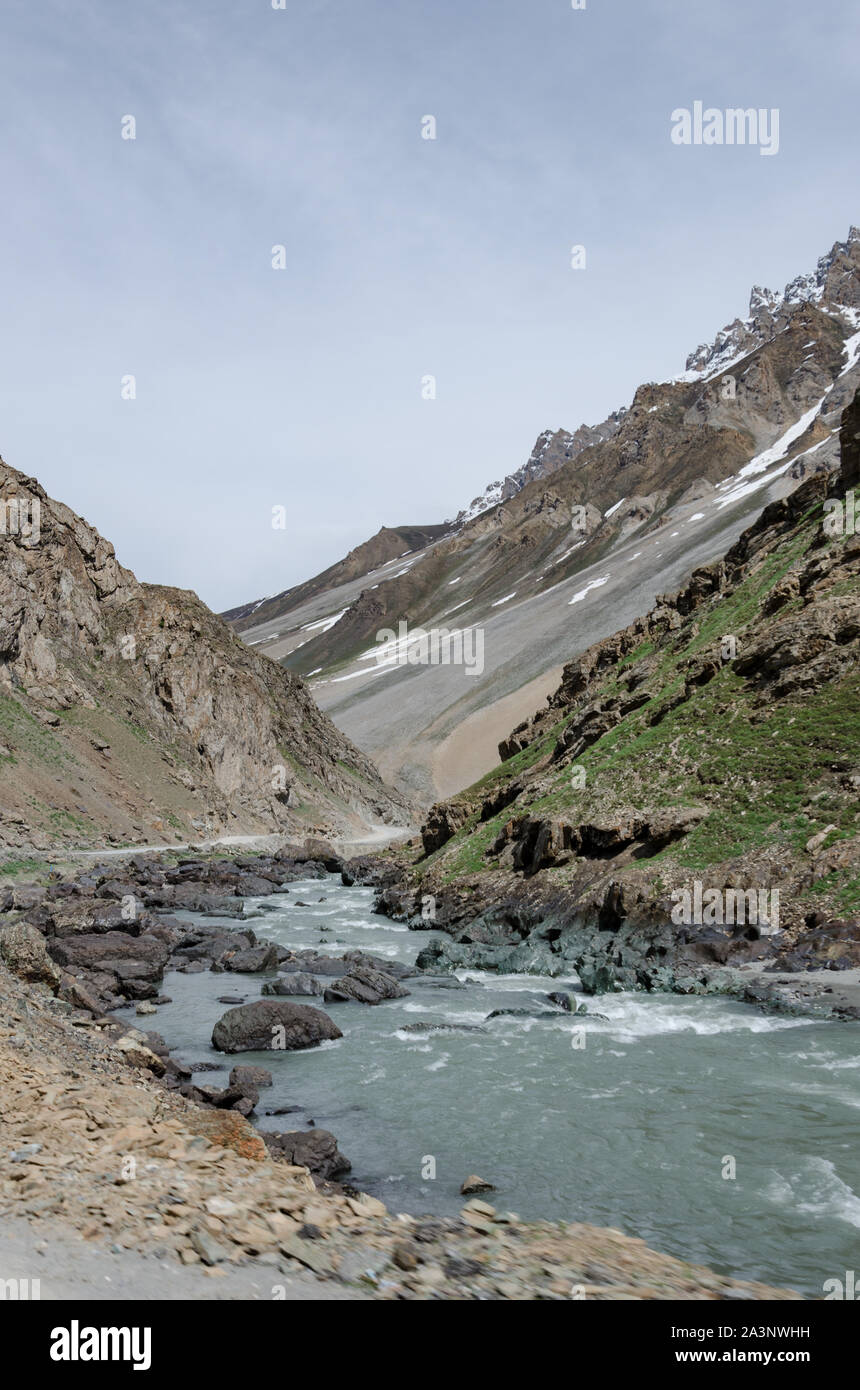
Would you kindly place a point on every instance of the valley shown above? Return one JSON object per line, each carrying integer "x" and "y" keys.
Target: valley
{"x": 599, "y": 522}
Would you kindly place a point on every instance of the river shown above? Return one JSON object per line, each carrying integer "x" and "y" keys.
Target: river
{"x": 635, "y": 1129}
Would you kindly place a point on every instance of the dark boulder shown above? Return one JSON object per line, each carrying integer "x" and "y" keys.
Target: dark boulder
{"x": 272, "y": 1025}
{"x": 136, "y": 962}
{"x": 560, "y": 999}
{"x": 251, "y": 962}
{"x": 364, "y": 986}
{"x": 316, "y": 1150}
{"x": 295, "y": 983}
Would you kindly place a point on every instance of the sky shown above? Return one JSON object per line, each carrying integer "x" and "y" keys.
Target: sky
{"x": 304, "y": 387}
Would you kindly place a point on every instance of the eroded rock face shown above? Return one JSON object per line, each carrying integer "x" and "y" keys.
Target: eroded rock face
{"x": 276, "y": 1025}
{"x": 537, "y": 844}
{"x": 443, "y": 820}
{"x": 850, "y": 443}
{"x": 167, "y": 687}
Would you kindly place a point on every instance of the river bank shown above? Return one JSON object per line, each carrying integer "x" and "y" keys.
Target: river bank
{"x": 135, "y": 1186}
{"x": 481, "y": 1074}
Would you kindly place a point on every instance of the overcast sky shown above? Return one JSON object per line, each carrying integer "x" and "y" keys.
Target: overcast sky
{"x": 301, "y": 127}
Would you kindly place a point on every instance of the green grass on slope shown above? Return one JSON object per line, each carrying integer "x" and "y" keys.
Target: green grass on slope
{"x": 769, "y": 772}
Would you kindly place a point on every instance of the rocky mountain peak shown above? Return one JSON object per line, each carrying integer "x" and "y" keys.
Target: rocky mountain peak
{"x": 834, "y": 286}
{"x": 552, "y": 450}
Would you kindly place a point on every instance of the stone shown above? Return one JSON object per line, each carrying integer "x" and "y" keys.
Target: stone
{"x": 256, "y": 1077}
{"x": 297, "y": 982}
{"x": 253, "y": 961}
{"x": 23, "y": 951}
{"x": 404, "y": 1255}
{"x": 204, "y": 1245}
{"x": 272, "y": 1025}
{"x": 477, "y": 1222}
{"x": 314, "y": 1149}
{"x": 475, "y": 1184}
{"x": 364, "y": 986}
{"x": 221, "y": 1206}
{"x": 365, "y": 1205}
{"x": 482, "y": 1208}
{"x": 308, "y": 1253}
{"x": 817, "y": 841}
{"x": 561, "y": 999}
{"x": 138, "y": 1055}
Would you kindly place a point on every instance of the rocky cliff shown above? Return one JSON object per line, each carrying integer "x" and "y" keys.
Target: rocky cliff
{"x": 130, "y": 712}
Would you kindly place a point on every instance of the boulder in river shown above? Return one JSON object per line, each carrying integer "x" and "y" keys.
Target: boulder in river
{"x": 298, "y": 982}
{"x": 253, "y": 961}
{"x": 317, "y": 1150}
{"x": 364, "y": 986}
{"x": 561, "y": 999}
{"x": 272, "y": 1024}
{"x": 256, "y": 1077}
{"x": 397, "y": 969}
{"x": 242, "y": 1098}
{"x": 475, "y": 1184}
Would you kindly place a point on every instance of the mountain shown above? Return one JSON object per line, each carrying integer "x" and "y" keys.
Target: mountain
{"x": 129, "y": 712}
{"x": 552, "y": 450}
{"x": 581, "y": 540}
{"x": 389, "y": 544}
{"x": 709, "y": 748}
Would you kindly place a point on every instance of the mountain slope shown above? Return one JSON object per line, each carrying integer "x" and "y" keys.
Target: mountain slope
{"x": 389, "y": 544}
{"x": 712, "y": 742}
{"x": 131, "y": 712}
{"x": 594, "y": 525}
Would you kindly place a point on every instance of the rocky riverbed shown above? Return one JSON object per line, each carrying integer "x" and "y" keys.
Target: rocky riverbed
{"x": 317, "y": 970}
{"x": 97, "y": 1149}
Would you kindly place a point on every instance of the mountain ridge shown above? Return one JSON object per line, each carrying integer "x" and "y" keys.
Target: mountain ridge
{"x": 664, "y": 484}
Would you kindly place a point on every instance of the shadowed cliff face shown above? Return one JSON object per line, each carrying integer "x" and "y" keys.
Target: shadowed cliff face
{"x": 582, "y": 538}
{"x": 130, "y": 711}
